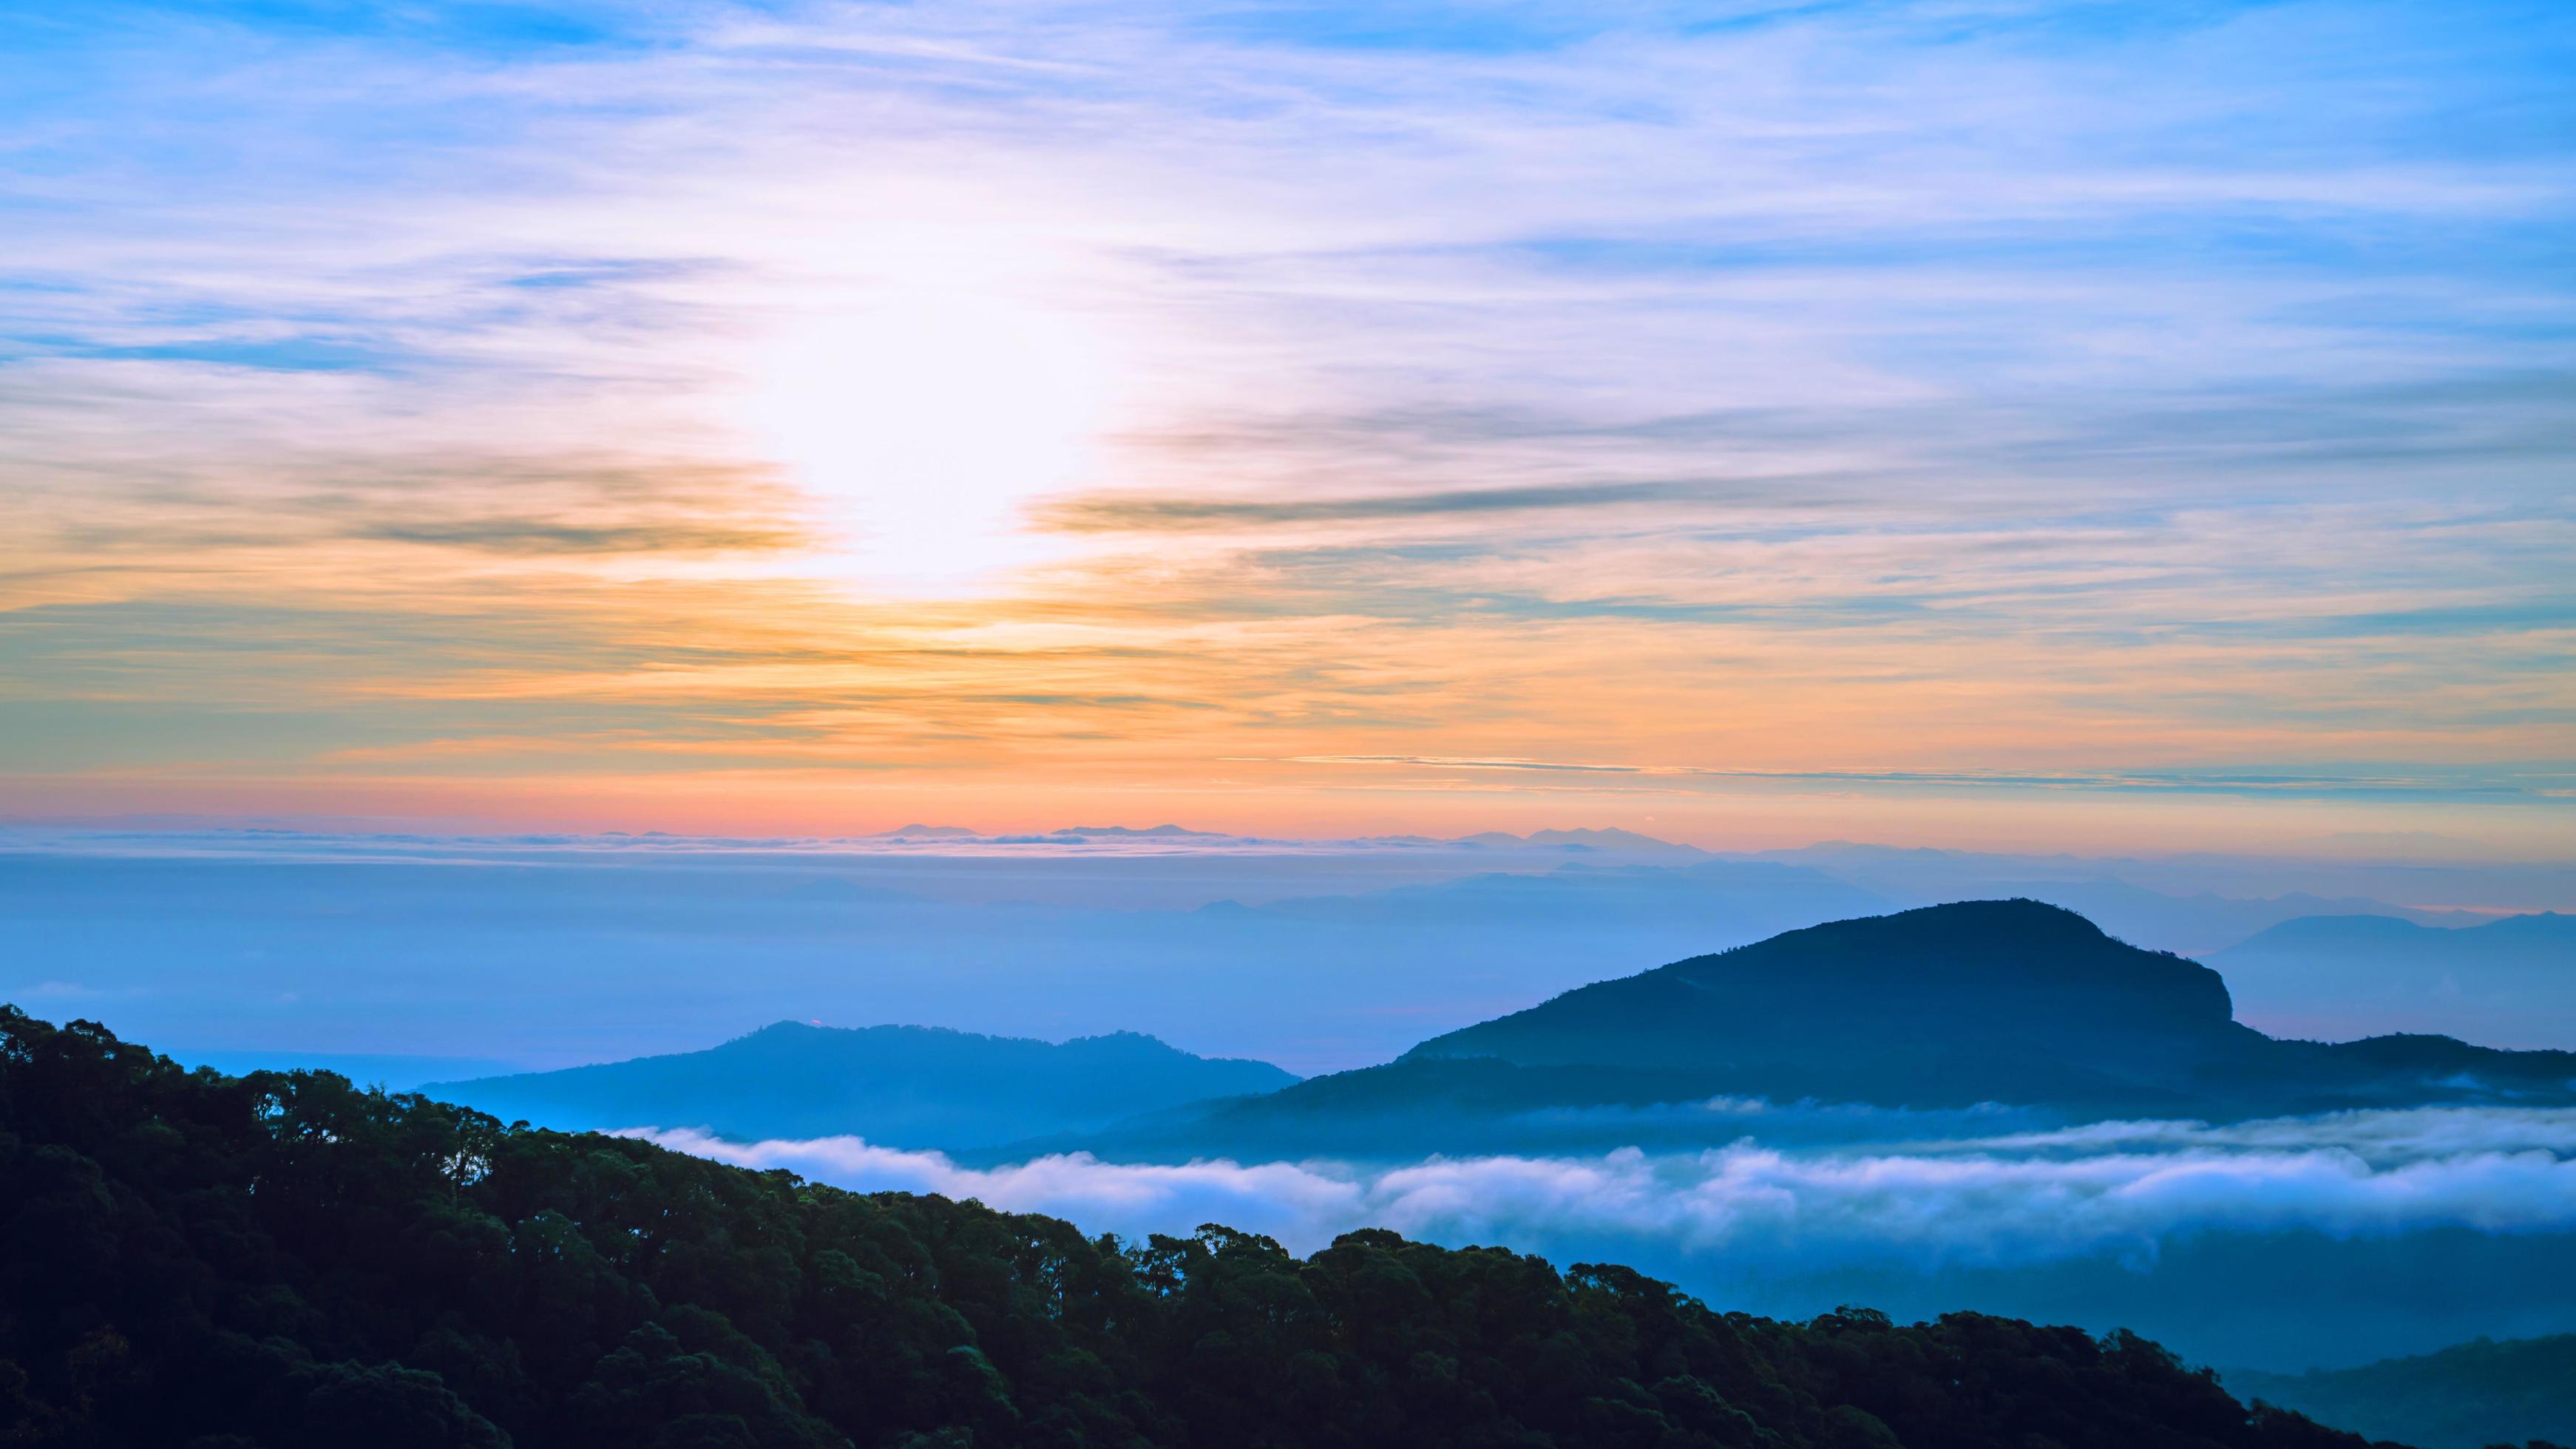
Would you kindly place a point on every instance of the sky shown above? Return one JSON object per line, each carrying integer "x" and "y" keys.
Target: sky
{"x": 2016, "y": 425}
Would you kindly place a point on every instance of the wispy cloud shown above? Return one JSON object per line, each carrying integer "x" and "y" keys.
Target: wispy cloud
{"x": 1850, "y": 399}
{"x": 1102, "y": 513}
{"x": 548, "y": 536}
{"x": 2502, "y": 780}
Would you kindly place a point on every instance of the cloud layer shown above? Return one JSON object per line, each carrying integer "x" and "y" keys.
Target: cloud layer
{"x": 2119, "y": 1188}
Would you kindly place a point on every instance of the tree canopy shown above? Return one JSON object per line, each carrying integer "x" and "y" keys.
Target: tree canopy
{"x": 285, "y": 1261}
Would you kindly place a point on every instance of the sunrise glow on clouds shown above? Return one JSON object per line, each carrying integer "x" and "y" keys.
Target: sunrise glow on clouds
{"x": 1738, "y": 422}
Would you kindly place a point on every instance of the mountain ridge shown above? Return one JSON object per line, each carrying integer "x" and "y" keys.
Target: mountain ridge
{"x": 2014, "y": 953}
{"x": 900, "y": 1086}
{"x": 1937, "y": 1008}
{"x": 1945, "y": 1008}
{"x": 2485, "y": 1392}
{"x": 2511, "y": 980}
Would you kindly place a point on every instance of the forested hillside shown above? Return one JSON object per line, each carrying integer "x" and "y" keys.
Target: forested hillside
{"x": 284, "y": 1262}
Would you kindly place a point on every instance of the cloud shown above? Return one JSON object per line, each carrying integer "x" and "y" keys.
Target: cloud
{"x": 547, "y": 536}
{"x": 2379, "y": 1137}
{"x": 1119, "y": 513}
{"x": 1875, "y": 402}
{"x": 1450, "y": 763}
{"x": 2454, "y": 782}
{"x": 2121, "y": 1188}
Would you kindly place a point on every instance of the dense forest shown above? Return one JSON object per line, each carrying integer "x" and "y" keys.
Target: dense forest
{"x": 282, "y": 1261}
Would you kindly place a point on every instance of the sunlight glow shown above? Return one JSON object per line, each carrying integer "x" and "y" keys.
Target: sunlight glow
{"x": 921, "y": 424}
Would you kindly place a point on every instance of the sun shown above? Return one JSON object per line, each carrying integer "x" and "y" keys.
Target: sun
{"x": 922, "y": 421}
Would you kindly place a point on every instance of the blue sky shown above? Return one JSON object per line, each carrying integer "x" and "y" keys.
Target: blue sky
{"x": 424, "y": 406}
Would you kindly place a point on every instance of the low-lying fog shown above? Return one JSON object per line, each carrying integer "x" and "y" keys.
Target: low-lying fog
{"x": 2286, "y": 1243}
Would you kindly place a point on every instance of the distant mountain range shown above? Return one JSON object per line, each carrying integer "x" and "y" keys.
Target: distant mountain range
{"x": 1939, "y": 1008}
{"x": 1319, "y": 956}
{"x": 2194, "y": 905}
{"x": 898, "y": 1086}
{"x": 2476, "y": 1394}
{"x": 2201, "y": 923}
{"x": 1626, "y": 842}
{"x": 2510, "y": 982}
{"x": 1611, "y": 841}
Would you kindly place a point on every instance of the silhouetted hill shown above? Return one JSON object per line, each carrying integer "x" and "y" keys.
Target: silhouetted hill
{"x": 282, "y": 1262}
{"x": 902, "y": 1086}
{"x": 2510, "y": 981}
{"x": 1943, "y": 978}
{"x": 2465, "y": 1397}
{"x": 1941, "y": 1007}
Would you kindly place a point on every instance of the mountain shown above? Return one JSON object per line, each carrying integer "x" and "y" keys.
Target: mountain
{"x": 2510, "y": 981}
{"x": 2201, "y": 922}
{"x": 283, "y": 1261}
{"x": 1947, "y": 981}
{"x": 1942, "y": 1007}
{"x": 897, "y": 1086}
{"x": 513, "y": 960}
{"x": 2464, "y": 1397}
{"x": 2191, "y": 904}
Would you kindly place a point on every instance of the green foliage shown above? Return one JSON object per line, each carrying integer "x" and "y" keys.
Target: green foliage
{"x": 279, "y": 1261}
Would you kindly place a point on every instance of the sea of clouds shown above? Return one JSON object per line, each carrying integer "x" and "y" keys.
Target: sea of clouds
{"x": 2118, "y": 1188}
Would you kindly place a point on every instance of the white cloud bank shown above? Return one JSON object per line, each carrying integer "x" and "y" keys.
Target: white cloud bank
{"x": 2122, "y": 1188}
